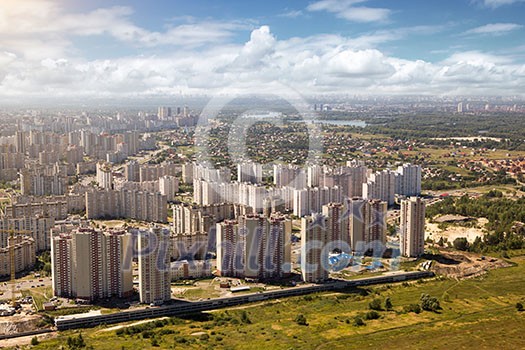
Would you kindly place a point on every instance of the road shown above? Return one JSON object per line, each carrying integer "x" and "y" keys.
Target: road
{"x": 25, "y": 284}
{"x": 184, "y": 307}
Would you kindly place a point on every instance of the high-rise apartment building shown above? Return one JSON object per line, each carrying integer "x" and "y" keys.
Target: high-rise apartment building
{"x": 314, "y": 257}
{"x": 104, "y": 176}
{"x": 255, "y": 247}
{"x": 289, "y": 175}
{"x": 92, "y": 264}
{"x": 24, "y": 254}
{"x": 380, "y": 185}
{"x": 38, "y": 226}
{"x": 412, "y": 227}
{"x": 56, "y": 209}
{"x": 139, "y": 205}
{"x": 230, "y": 248}
{"x": 249, "y": 172}
{"x": 310, "y": 200}
{"x": 132, "y": 171}
{"x": 36, "y": 183}
{"x": 168, "y": 186}
{"x": 367, "y": 224}
{"x": 164, "y": 113}
{"x": 408, "y": 180}
{"x": 337, "y": 226}
{"x": 154, "y": 265}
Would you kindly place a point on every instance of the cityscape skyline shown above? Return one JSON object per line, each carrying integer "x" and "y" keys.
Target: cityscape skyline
{"x": 127, "y": 49}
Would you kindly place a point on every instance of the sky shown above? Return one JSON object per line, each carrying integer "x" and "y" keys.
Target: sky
{"x": 60, "y": 49}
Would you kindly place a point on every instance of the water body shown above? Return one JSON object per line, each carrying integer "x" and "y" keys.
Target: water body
{"x": 275, "y": 115}
{"x": 356, "y": 123}
{"x": 269, "y": 115}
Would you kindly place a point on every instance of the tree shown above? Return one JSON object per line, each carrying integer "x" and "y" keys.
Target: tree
{"x": 388, "y": 304}
{"x": 245, "y": 318}
{"x": 375, "y": 304}
{"x": 301, "y": 320}
{"x": 461, "y": 243}
{"x": 34, "y": 341}
{"x": 372, "y": 315}
{"x": 47, "y": 269}
{"x": 358, "y": 321}
{"x": 519, "y": 307}
{"x": 76, "y": 343}
{"x": 415, "y": 308}
{"x": 429, "y": 303}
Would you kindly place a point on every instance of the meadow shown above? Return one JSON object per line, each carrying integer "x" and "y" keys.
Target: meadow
{"x": 476, "y": 313}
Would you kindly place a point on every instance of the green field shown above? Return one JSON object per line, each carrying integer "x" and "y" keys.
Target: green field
{"x": 476, "y": 314}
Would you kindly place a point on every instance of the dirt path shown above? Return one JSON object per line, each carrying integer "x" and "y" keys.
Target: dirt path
{"x": 131, "y": 324}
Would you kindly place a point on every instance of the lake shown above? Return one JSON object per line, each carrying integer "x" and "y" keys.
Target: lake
{"x": 357, "y": 123}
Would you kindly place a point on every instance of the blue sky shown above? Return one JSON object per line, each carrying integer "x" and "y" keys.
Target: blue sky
{"x": 114, "y": 48}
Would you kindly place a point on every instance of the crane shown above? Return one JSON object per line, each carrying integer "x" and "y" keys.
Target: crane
{"x": 12, "y": 264}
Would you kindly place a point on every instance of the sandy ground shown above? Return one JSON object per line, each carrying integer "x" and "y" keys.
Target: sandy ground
{"x": 18, "y": 323}
{"x": 453, "y": 231}
{"x": 22, "y": 341}
{"x": 461, "y": 265}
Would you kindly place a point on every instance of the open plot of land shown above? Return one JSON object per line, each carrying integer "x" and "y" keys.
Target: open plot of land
{"x": 453, "y": 231}
{"x": 477, "y": 313}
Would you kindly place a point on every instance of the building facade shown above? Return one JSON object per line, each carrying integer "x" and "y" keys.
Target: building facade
{"x": 92, "y": 264}
{"x": 154, "y": 265}
{"x": 412, "y": 227}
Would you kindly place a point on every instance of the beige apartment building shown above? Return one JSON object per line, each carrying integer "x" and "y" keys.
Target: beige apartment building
{"x": 92, "y": 264}
{"x": 154, "y": 265}
{"x": 412, "y": 227}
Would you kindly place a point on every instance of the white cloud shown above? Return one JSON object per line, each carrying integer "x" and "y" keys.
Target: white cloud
{"x": 291, "y": 14}
{"x": 498, "y": 3}
{"x": 45, "y": 63}
{"x": 38, "y": 29}
{"x": 345, "y": 9}
{"x": 494, "y": 29}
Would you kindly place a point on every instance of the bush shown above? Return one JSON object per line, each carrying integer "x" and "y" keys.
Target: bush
{"x": 388, "y": 304}
{"x": 204, "y": 337}
{"x": 372, "y": 315}
{"x": 245, "y": 318}
{"x": 181, "y": 340}
{"x": 147, "y": 334}
{"x": 301, "y": 320}
{"x": 519, "y": 307}
{"x": 429, "y": 303}
{"x": 415, "y": 308}
{"x": 76, "y": 342}
{"x": 34, "y": 341}
{"x": 461, "y": 243}
{"x": 375, "y": 304}
{"x": 358, "y": 321}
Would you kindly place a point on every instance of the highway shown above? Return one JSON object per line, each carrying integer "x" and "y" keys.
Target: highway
{"x": 179, "y": 308}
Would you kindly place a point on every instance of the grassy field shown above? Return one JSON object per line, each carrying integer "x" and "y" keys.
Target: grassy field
{"x": 476, "y": 314}
{"x": 40, "y": 295}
